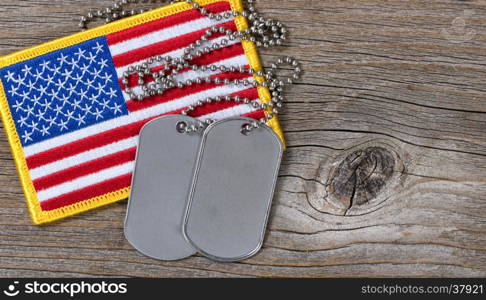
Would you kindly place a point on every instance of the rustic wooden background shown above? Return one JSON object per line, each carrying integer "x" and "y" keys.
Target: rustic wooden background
{"x": 385, "y": 173}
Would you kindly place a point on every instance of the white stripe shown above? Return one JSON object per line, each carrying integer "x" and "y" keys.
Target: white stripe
{"x": 83, "y": 157}
{"x": 236, "y": 61}
{"x": 95, "y": 153}
{"x": 85, "y": 181}
{"x": 126, "y": 168}
{"x": 233, "y": 111}
{"x": 122, "y": 145}
{"x": 175, "y": 54}
{"x": 164, "y": 34}
{"x": 133, "y": 117}
{"x": 107, "y": 125}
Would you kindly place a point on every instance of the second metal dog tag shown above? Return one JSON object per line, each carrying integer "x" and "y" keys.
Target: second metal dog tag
{"x": 232, "y": 190}
{"x": 160, "y": 187}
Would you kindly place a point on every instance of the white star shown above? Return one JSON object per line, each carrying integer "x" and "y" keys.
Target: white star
{"x": 44, "y": 130}
{"x": 27, "y": 136}
{"x": 69, "y": 114}
{"x": 85, "y": 68}
{"x": 63, "y": 124}
{"x": 76, "y": 103}
{"x": 98, "y": 114}
{"x": 111, "y": 93}
{"x": 58, "y": 109}
{"x": 87, "y": 108}
{"x": 10, "y": 76}
{"x": 26, "y": 70}
{"x": 40, "y": 114}
{"x": 100, "y": 88}
{"x": 31, "y": 85}
{"x": 93, "y": 98}
{"x": 64, "y": 99}
{"x": 38, "y": 74}
{"x": 78, "y": 78}
{"x": 103, "y": 63}
{"x": 91, "y": 58}
{"x": 33, "y": 125}
{"x": 54, "y": 93}
{"x": 25, "y": 95}
{"x": 73, "y": 63}
{"x": 116, "y": 108}
{"x": 82, "y": 94}
{"x": 89, "y": 83}
{"x": 71, "y": 88}
{"x": 80, "y": 53}
{"x": 56, "y": 69}
{"x": 51, "y": 120}
{"x": 80, "y": 120}
{"x": 42, "y": 90}
{"x": 98, "y": 48}
{"x": 23, "y": 121}
{"x": 18, "y": 105}
{"x": 13, "y": 90}
{"x": 107, "y": 77}
{"x": 45, "y": 64}
{"x": 66, "y": 74}
{"x": 29, "y": 110}
{"x": 96, "y": 73}
{"x": 59, "y": 84}
{"x": 106, "y": 103}
{"x": 62, "y": 59}
{"x": 36, "y": 100}
{"x": 50, "y": 79}
{"x": 47, "y": 104}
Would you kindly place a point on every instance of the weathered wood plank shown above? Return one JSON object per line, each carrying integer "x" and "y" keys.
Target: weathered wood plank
{"x": 405, "y": 76}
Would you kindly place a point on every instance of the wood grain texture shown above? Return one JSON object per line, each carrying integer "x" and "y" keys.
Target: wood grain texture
{"x": 405, "y": 76}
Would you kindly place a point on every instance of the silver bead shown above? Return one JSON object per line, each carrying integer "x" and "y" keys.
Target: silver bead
{"x": 263, "y": 32}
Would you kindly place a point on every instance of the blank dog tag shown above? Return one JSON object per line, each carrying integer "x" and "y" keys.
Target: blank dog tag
{"x": 232, "y": 190}
{"x": 161, "y": 182}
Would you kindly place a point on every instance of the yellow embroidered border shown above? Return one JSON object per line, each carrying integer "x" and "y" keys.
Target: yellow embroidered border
{"x": 37, "y": 214}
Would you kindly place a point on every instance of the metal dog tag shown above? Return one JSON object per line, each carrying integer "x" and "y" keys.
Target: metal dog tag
{"x": 232, "y": 191}
{"x": 160, "y": 187}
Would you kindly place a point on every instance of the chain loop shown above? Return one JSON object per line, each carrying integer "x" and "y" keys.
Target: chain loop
{"x": 263, "y": 32}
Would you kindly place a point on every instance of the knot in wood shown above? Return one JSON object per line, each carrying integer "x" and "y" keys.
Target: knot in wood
{"x": 360, "y": 177}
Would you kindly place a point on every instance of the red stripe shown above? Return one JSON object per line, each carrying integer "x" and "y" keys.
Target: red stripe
{"x": 210, "y": 58}
{"x": 177, "y": 93}
{"x": 85, "y": 144}
{"x": 159, "y": 48}
{"x": 220, "y": 54}
{"x": 257, "y": 115}
{"x": 163, "y": 23}
{"x": 103, "y": 187}
{"x": 91, "y": 142}
{"x": 85, "y": 169}
{"x": 89, "y": 192}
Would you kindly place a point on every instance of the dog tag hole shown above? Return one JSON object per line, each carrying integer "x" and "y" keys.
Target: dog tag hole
{"x": 181, "y": 127}
{"x": 245, "y": 129}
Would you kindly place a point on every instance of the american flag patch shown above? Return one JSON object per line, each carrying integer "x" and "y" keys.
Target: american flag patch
{"x": 74, "y": 131}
